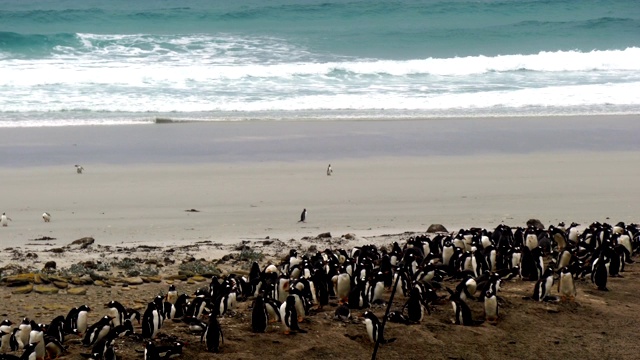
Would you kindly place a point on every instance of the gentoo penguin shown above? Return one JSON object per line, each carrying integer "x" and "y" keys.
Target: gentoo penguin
{"x": 116, "y": 311}
{"x": 461, "y": 310}
{"x": 289, "y": 316}
{"x": 416, "y": 306}
{"x": 30, "y": 352}
{"x": 46, "y": 217}
{"x": 150, "y": 352}
{"x": 170, "y": 351}
{"x": 543, "y": 286}
{"x": 343, "y": 313}
{"x": 374, "y": 328}
{"x": 5, "y": 335}
{"x": 343, "y": 286}
{"x": 259, "y": 316}
{"x": 329, "y": 170}
{"x": 303, "y": 216}
{"x": 15, "y": 342}
{"x": 25, "y": 330}
{"x": 490, "y": 307}
{"x": 172, "y": 294}
{"x": 97, "y": 331}
{"x": 36, "y": 336}
{"x": 213, "y": 334}
{"x": 54, "y": 348}
{"x": 150, "y": 321}
{"x": 566, "y": 286}
{"x": 81, "y": 319}
{"x": 4, "y": 220}
{"x": 600, "y": 271}
{"x": 79, "y": 169}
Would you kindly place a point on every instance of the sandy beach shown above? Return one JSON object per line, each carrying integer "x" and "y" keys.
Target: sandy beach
{"x": 249, "y": 183}
{"x": 139, "y": 180}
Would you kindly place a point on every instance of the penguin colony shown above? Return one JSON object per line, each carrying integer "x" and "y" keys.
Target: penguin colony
{"x": 475, "y": 259}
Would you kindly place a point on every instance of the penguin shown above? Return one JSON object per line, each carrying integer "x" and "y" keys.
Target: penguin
{"x": 170, "y": 351}
{"x": 116, "y": 311}
{"x": 329, "y": 170}
{"x": 15, "y": 343}
{"x": 97, "y": 331}
{"x": 599, "y": 274}
{"x": 461, "y": 310}
{"x": 398, "y": 317}
{"x": 30, "y": 353}
{"x": 172, "y": 294}
{"x": 79, "y": 169}
{"x": 5, "y": 335}
{"x": 4, "y": 220}
{"x": 46, "y": 217}
{"x": 416, "y": 306}
{"x": 259, "y": 316}
{"x": 343, "y": 313}
{"x": 213, "y": 334}
{"x": 81, "y": 318}
{"x": 289, "y": 316}
{"x": 150, "y": 352}
{"x": 491, "y": 307}
{"x": 54, "y": 348}
{"x": 376, "y": 289}
{"x": 55, "y": 329}
{"x": 25, "y": 330}
{"x": 343, "y": 286}
{"x": 273, "y": 309}
{"x": 303, "y": 216}
{"x": 150, "y": 321}
{"x": 543, "y": 286}
{"x": 374, "y": 328}
{"x": 36, "y": 336}
{"x": 566, "y": 286}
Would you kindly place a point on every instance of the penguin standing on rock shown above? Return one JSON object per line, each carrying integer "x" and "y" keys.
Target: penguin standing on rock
{"x": 374, "y": 328}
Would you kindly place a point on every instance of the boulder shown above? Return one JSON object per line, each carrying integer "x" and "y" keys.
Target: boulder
{"x": 77, "y": 291}
{"x": 136, "y": 280}
{"x": 176, "y": 277}
{"x": 324, "y": 235}
{"x": 83, "y": 243}
{"x": 46, "y": 289}
{"x": 50, "y": 265}
{"x": 61, "y": 284}
{"x": 19, "y": 280}
{"x": 535, "y": 223}
{"x": 436, "y": 228}
{"x": 23, "y": 289}
{"x": 151, "y": 279}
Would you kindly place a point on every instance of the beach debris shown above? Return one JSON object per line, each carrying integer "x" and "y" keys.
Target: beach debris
{"x": 83, "y": 242}
{"x": 79, "y": 169}
{"x": 192, "y": 210}
{"x": 436, "y": 228}
{"x": 44, "y": 238}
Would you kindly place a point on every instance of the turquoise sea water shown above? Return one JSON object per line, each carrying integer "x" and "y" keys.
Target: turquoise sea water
{"x": 76, "y": 62}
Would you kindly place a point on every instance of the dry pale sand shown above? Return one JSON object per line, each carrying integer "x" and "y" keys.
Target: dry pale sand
{"x": 124, "y": 204}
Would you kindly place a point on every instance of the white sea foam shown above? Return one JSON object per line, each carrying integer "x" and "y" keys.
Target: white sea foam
{"x": 149, "y": 74}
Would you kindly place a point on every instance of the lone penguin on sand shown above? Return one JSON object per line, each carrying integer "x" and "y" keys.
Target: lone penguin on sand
{"x": 79, "y": 169}
{"x": 303, "y": 216}
{"x": 46, "y": 217}
{"x": 329, "y": 170}
{"x": 4, "y": 220}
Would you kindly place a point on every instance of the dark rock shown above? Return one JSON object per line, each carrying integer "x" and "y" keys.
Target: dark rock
{"x": 435, "y": 228}
{"x": 324, "y": 235}
{"x": 84, "y": 242}
{"x": 50, "y": 265}
{"x": 535, "y": 223}
{"x": 57, "y": 250}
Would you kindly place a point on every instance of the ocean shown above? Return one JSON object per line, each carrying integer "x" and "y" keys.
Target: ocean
{"x": 88, "y": 62}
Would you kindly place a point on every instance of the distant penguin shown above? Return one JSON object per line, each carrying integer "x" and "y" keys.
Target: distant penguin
{"x": 303, "y": 216}
{"x": 259, "y": 316}
{"x": 491, "y": 307}
{"x": 566, "y": 286}
{"x": 46, "y": 217}
{"x": 4, "y": 220}
{"x": 172, "y": 294}
{"x": 79, "y": 169}
{"x": 374, "y": 328}
{"x": 213, "y": 334}
{"x": 329, "y": 170}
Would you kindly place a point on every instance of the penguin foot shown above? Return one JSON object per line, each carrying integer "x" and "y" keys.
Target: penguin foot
{"x": 300, "y": 319}
{"x": 287, "y": 332}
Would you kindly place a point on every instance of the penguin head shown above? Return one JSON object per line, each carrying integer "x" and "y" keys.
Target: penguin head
{"x": 6, "y": 322}
{"x": 84, "y": 308}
